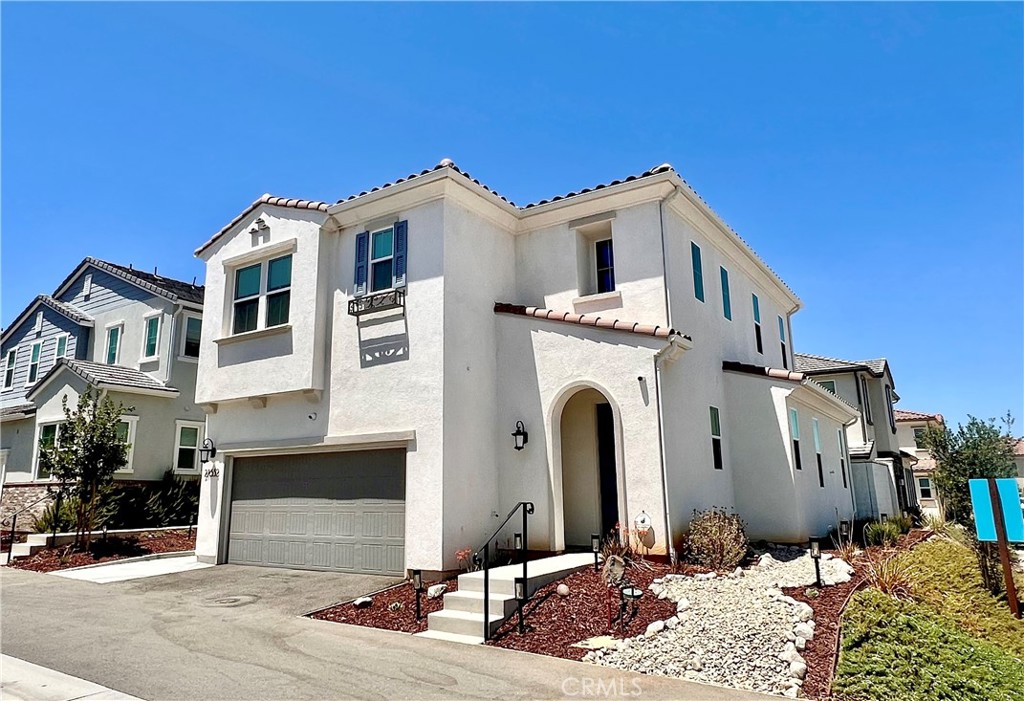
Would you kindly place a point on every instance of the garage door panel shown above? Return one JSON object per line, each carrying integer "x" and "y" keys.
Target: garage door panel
{"x": 343, "y": 511}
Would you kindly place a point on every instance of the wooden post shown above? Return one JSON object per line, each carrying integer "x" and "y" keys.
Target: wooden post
{"x": 1004, "y": 548}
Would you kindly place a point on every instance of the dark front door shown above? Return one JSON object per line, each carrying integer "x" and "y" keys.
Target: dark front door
{"x": 606, "y": 468}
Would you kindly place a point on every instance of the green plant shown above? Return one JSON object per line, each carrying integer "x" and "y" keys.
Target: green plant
{"x": 716, "y": 539}
{"x": 884, "y": 533}
{"x": 845, "y": 547}
{"x": 172, "y": 501}
{"x": 50, "y": 520}
{"x": 900, "y": 650}
{"x": 892, "y": 576}
{"x": 902, "y": 522}
{"x": 936, "y": 523}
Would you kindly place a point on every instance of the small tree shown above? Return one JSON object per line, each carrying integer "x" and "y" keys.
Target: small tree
{"x": 978, "y": 450}
{"x": 85, "y": 456}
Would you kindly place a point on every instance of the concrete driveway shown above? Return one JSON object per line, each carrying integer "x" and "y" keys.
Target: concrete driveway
{"x": 233, "y": 632}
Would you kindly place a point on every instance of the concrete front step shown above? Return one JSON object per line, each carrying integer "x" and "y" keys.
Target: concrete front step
{"x": 452, "y": 637}
{"x": 25, "y": 550}
{"x": 538, "y": 574}
{"x": 462, "y": 622}
{"x": 473, "y": 602}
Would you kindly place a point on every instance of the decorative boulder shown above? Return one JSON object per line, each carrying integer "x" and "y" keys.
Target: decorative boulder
{"x": 804, "y": 630}
{"x": 682, "y": 604}
{"x": 798, "y": 670}
{"x": 766, "y": 560}
{"x": 654, "y": 628}
{"x": 362, "y": 602}
{"x": 562, "y": 590}
{"x": 436, "y": 591}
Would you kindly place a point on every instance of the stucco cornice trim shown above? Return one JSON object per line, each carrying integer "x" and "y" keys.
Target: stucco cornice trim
{"x": 326, "y": 444}
{"x": 595, "y": 320}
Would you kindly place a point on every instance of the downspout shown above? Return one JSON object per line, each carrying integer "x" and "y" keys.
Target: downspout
{"x": 664, "y": 260}
{"x": 661, "y": 449}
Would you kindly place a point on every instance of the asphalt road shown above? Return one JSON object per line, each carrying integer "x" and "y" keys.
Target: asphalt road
{"x": 233, "y": 632}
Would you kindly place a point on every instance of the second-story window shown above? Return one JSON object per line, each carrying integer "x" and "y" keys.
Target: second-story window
{"x": 866, "y": 399}
{"x": 268, "y": 284}
{"x": 830, "y": 385}
{"x": 49, "y": 435}
{"x": 726, "y": 300}
{"x": 782, "y": 342}
{"x": 842, "y": 455}
{"x": 919, "y": 432}
{"x": 888, "y": 408}
{"x": 605, "y": 266}
{"x": 113, "y": 344}
{"x": 817, "y": 452}
{"x": 247, "y": 298}
{"x": 757, "y": 324}
{"x": 33, "y": 362}
{"x": 151, "y": 339}
{"x": 698, "y": 271}
{"x": 62, "y": 347}
{"x": 794, "y": 432}
{"x": 381, "y": 259}
{"x": 9, "y": 362}
{"x": 192, "y": 336}
{"x": 279, "y": 290}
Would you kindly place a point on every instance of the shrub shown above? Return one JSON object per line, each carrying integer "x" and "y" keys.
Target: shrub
{"x": 936, "y": 524}
{"x": 717, "y": 540}
{"x": 172, "y": 501}
{"x": 63, "y": 522}
{"x": 881, "y": 533}
{"x": 903, "y": 523}
{"x": 845, "y": 548}
{"x": 893, "y": 576}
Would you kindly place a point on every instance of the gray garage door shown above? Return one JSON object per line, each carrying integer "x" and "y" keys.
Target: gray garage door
{"x": 335, "y": 511}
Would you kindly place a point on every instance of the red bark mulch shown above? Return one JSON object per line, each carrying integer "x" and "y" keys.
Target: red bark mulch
{"x": 554, "y": 623}
{"x": 378, "y": 615}
{"x": 823, "y": 650}
{"x": 114, "y": 548}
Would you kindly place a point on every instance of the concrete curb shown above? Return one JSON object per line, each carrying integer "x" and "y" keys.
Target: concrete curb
{"x": 126, "y": 560}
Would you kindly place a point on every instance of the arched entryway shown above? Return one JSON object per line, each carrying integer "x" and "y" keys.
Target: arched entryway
{"x": 590, "y": 477}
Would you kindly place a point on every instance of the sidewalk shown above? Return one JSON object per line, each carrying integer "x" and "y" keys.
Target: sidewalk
{"x": 24, "y": 681}
{"x": 134, "y": 568}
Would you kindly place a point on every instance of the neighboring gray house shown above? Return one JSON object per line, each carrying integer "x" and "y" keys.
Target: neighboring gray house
{"x": 882, "y": 472}
{"x": 130, "y": 334}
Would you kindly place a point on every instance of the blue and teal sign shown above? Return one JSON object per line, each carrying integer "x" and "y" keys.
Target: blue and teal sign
{"x": 1009, "y": 498}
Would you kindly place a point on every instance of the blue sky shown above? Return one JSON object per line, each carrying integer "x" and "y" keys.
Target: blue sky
{"x": 872, "y": 154}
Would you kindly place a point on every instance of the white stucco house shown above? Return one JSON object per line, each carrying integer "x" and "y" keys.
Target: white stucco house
{"x": 882, "y": 471}
{"x": 130, "y": 334}
{"x": 910, "y": 429}
{"x": 364, "y": 363}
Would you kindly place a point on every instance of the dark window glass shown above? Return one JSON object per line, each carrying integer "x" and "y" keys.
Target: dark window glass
{"x": 716, "y": 449}
{"x": 193, "y": 332}
{"x": 796, "y": 455}
{"x": 785, "y": 362}
{"x": 245, "y": 316}
{"x": 247, "y": 281}
{"x": 383, "y": 278}
{"x": 757, "y": 338}
{"x": 842, "y": 468}
{"x": 726, "y": 300}
{"x": 698, "y": 272}
{"x": 605, "y": 266}
{"x": 821, "y": 473}
{"x": 277, "y": 308}
{"x": 279, "y": 273}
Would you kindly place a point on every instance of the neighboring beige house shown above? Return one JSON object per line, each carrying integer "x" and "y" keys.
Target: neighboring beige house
{"x": 1018, "y": 457}
{"x": 131, "y": 334}
{"x": 365, "y": 364}
{"x": 910, "y": 427}
{"x": 883, "y": 472}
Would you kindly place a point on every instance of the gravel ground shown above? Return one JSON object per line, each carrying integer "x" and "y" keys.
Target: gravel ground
{"x": 738, "y": 630}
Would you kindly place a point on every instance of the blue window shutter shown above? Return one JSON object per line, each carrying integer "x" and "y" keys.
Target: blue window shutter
{"x": 401, "y": 242}
{"x": 362, "y": 262}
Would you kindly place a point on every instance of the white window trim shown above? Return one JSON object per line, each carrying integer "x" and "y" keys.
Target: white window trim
{"x": 261, "y": 297}
{"x": 159, "y": 316}
{"x": 12, "y": 353}
{"x": 816, "y": 430}
{"x": 28, "y": 371}
{"x": 370, "y": 260}
{"x": 931, "y": 487}
{"x": 794, "y": 424}
{"x": 184, "y": 335}
{"x": 38, "y": 325}
{"x": 106, "y": 342}
{"x": 132, "y": 422}
{"x": 37, "y": 452}
{"x": 87, "y": 286}
{"x": 200, "y": 436}
{"x": 67, "y": 346}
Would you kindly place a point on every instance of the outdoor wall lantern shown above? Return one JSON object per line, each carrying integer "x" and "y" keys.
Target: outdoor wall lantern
{"x": 520, "y": 586}
{"x": 208, "y": 451}
{"x": 520, "y": 436}
{"x": 417, "y": 584}
{"x": 816, "y": 556}
{"x": 595, "y": 545}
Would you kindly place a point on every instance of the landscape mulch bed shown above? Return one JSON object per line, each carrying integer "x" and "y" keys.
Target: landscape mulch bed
{"x": 554, "y": 623}
{"x": 113, "y": 548}
{"x": 823, "y": 650}
{"x": 379, "y": 614}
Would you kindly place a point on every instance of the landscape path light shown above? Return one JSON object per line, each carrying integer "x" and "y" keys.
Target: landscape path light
{"x": 520, "y": 587}
{"x": 417, "y": 584}
{"x": 595, "y": 545}
{"x": 816, "y": 556}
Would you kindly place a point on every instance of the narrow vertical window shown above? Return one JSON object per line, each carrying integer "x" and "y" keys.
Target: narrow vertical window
{"x": 726, "y": 300}
{"x": 247, "y": 298}
{"x": 193, "y": 334}
{"x": 33, "y": 362}
{"x": 888, "y": 408}
{"x": 716, "y": 437}
{"x": 382, "y": 258}
{"x": 605, "y": 266}
{"x": 698, "y": 272}
{"x": 842, "y": 455}
{"x": 279, "y": 284}
{"x": 126, "y": 434}
{"x": 757, "y": 324}
{"x": 39, "y": 322}
{"x": 782, "y": 342}
{"x": 12, "y": 357}
{"x": 87, "y": 286}
{"x": 113, "y": 344}
{"x": 919, "y": 436}
{"x": 794, "y": 432}
{"x": 817, "y": 452}
{"x": 151, "y": 340}
{"x": 48, "y": 435}
{"x": 866, "y": 400}
{"x": 62, "y": 347}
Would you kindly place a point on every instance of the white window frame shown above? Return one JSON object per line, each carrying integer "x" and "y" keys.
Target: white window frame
{"x": 200, "y": 436}
{"x": 923, "y": 430}
{"x": 931, "y": 488}
{"x": 119, "y": 325}
{"x": 67, "y": 345}
{"x": 37, "y": 451}
{"x": 29, "y": 380}
{"x": 867, "y": 401}
{"x": 261, "y": 297}
{"x": 10, "y": 365}
{"x": 184, "y": 336}
{"x": 158, "y": 315}
{"x": 132, "y": 422}
{"x": 370, "y": 260}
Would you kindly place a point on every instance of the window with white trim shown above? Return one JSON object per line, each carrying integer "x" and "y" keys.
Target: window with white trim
{"x": 49, "y": 435}
{"x": 698, "y": 271}
{"x": 919, "y": 432}
{"x": 63, "y": 341}
{"x": 151, "y": 337}
{"x": 866, "y": 400}
{"x": 188, "y": 438}
{"x": 191, "y": 336}
{"x": 38, "y": 326}
{"x": 782, "y": 342}
{"x": 841, "y": 438}
{"x": 9, "y": 363}
{"x": 381, "y": 259}
{"x": 924, "y": 487}
{"x": 33, "y": 363}
{"x": 817, "y": 452}
{"x": 605, "y": 266}
{"x": 126, "y": 434}
{"x": 114, "y": 344}
{"x": 266, "y": 285}
{"x": 794, "y": 432}
{"x": 889, "y": 410}
{"x": 757, "y": 323}
{"x": 716, "y": 437}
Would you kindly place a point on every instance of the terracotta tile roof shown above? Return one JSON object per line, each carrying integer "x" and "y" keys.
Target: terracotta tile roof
{"x": 905, "y": 415}
{"x": 265, "y": 198}
{"x": 105, "y": 376}
{"x": 445, "y": 163}
{"x": 595, "y": 320}
{"x": 663, "y": 168}
{"x": 820, "y": 364}
{"x": 1018, "y": 448}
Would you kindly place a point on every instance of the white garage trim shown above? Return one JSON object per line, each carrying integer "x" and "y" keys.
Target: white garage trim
{"x": 358, "y": 441}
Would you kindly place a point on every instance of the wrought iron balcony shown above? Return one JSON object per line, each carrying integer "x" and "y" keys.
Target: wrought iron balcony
{"x": 380, "y": 302}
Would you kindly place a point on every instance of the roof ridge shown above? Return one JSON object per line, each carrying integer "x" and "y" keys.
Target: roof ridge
{"x": 133, "y": 271}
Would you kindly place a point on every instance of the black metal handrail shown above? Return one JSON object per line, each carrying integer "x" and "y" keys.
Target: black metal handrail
{"x": 14, "y": 522}
{"x": 527, "y": 507}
